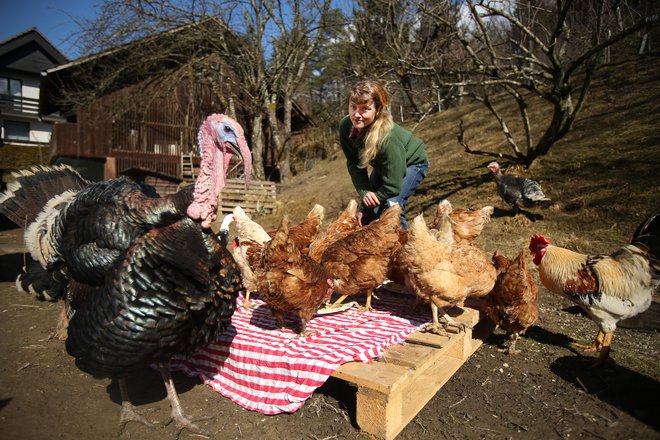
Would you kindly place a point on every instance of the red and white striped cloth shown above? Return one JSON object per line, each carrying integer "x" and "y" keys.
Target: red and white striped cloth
{"x": 264, "y": 369}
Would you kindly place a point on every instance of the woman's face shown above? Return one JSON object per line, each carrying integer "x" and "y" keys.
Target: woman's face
{"x": 362, "y": 114}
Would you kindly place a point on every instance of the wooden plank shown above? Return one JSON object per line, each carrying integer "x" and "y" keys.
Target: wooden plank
{"x": 377, "y": 376}
{"x": 392, "y": 390}
{"x": 257, "y": 196}
{"x": 409, "y": 355}
{"x": 429, "y": 339}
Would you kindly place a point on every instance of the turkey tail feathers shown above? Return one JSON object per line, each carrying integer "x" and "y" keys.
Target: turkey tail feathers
{"x": 534, "y": 194}
{"x": 38, "y": 282}
{"x": 27, "y": 195}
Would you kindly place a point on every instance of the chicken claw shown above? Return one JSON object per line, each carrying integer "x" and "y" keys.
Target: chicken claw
{"x": 511, "y": 349}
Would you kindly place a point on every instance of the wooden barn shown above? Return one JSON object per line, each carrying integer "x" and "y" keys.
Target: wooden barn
{"x": 144, "y": 123}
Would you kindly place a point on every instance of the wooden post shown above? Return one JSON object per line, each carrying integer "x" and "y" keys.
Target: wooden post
{"x": 110, "y": 168}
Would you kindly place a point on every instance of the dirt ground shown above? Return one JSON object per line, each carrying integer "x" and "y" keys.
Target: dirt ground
{"x": 545, "y": 392}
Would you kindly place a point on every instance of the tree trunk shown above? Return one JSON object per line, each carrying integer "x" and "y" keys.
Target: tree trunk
{"x": 559, "y": 126}
{"x": 285, "y": 164}
{"x": 275, "y": 142}
{"x": 257, "y": 147}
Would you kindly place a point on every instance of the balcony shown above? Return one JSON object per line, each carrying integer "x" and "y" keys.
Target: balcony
{"x": 19, "y": 106}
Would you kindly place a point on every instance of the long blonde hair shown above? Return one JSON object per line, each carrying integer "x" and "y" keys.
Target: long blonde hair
{"x": 379, "y": 130}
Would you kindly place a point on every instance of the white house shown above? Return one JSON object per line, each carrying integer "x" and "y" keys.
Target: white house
{"x": 23, "y": 58}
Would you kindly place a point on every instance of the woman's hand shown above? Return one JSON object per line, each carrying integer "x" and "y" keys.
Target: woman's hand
{"x": 370, "y": 200}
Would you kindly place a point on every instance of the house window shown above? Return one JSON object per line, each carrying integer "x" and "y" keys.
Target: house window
{"x": 16, "y": 131}
{"x": 10, "y": 86}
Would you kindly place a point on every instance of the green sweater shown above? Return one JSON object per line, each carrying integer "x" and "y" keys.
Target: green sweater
{"x": 400, "y": 150}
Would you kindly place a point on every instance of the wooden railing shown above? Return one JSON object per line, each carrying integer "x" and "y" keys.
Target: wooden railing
{"x": 152, "y": 147}
{"x": 98, "y": 141}
{"x": 166, "y": 165}
{"x": 19, "y": 104}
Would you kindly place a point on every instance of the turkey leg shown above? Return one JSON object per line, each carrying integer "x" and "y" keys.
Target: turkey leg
{"x": 180, "y": 421}
{"x": 128, "y": 411}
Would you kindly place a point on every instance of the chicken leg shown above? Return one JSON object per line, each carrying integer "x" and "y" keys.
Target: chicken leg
{"x": 601, "y": 345}
{"x": 604, "y": 349}
{"x": 437, "y": 328}
{"x": 594, "y": 346}
{"x": 511, "y": 349}
{"x": 341, "y": 299}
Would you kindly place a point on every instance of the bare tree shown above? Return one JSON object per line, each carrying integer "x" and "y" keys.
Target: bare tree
{"x": 301, "y": 26}
{"x": 267, "y": 43}
{"x": 546, "y": 49}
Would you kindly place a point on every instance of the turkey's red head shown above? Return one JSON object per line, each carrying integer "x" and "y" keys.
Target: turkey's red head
{"x": 494, "y": 167}
{"x": 220, "y": 137}
{"x": 538, "y": 246}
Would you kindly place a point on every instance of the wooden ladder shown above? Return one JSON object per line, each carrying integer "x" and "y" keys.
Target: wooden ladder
{"x": 187, "y": 167}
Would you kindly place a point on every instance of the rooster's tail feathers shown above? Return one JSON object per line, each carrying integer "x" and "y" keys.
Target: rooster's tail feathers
{"x": 650, "y": 226}
{"x": 647, "y": 236}
{"x": 27, "y": 195}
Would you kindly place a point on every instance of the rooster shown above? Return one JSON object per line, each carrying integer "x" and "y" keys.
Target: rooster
{"x": 293, "y": 282}
{"x": 609, "y": 288}
{"x": 513, "y": 302}
{"x": 145, "y": 276}
{"x": 518, "y": 192}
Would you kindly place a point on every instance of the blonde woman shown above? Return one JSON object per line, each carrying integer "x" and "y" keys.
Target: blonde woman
{"x": 369, "y": 136}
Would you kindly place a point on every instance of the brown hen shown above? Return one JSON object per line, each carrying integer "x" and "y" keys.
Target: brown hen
{"x": 443, "y": 274}
{"x": 466, "y": 223}
{"x": 294, "y": 284}
{"x": 343, "y": 225}
{"x": 306, "y": 231}
{"x": 358, "y": 263}
{"x": 513, "y": 302}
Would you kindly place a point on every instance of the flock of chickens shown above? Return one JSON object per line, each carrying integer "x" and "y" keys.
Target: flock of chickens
{"x": 144, "y": 277}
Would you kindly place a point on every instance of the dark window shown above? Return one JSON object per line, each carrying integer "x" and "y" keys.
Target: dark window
{"x": 10, "y": 86}
{"x": 16, "y": 131}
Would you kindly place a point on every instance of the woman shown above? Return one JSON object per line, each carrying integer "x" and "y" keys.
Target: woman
{"x": 369, "y": 136}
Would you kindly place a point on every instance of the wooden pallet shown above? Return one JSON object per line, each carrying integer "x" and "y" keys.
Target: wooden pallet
{"x": 258, "y": 197}
{"x": 392, "y": 390}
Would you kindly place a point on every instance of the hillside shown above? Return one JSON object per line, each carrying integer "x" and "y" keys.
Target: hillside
{"x": 603, "y": 174}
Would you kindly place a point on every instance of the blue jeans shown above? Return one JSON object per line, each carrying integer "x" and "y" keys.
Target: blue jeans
{"x": 414, "y": 176}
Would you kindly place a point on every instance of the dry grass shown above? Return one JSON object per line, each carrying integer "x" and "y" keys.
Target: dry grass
{"x": 603, "y": 175}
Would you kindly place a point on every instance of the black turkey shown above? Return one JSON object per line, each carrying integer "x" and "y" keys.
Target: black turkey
{"x": 145, "y": 276}
{"x": 518, "y": 192}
